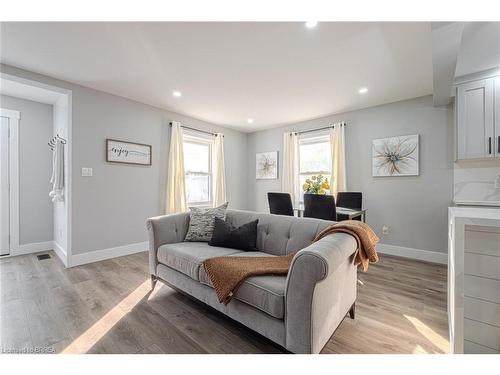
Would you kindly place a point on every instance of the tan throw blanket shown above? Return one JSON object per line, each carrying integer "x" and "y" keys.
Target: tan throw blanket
{"x": 364, "y": 235}
{"x": 227, "y": 273}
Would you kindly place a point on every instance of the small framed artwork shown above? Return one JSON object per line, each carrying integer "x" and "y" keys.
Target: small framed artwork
{"x": 395, "y": 156}
{"x": 266, "y": 165}
{"x": 128, "y": 152}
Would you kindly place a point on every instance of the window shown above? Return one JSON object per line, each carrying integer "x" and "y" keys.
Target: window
{"x": 314, "y": 159}
{"x": 198, "y": 169}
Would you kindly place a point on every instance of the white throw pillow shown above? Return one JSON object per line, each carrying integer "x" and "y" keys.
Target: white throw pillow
{"x": 201, "y": 222}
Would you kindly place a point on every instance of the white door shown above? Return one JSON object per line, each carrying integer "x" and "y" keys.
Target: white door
{"x": 4, "y": 187}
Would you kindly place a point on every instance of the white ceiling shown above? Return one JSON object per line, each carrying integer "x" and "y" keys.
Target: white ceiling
{"x": 275, "y": 73}
{"x": 480, "y": 48}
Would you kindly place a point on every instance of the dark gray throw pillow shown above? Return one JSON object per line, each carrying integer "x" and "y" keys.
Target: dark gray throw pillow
{"x": 201, "y": 222}
{"x": 243, "y": 237}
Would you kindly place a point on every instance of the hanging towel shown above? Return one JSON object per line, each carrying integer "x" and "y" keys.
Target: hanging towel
{"x": 57, "y": 179}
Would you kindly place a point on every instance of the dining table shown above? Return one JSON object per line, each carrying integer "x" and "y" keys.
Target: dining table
{"x": 349, "y": 212}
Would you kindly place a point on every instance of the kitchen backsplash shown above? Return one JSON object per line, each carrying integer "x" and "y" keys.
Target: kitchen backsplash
{"x": 474, "y": 182}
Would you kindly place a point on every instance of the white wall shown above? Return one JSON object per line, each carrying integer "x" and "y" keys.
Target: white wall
{"x": 35, "y": 168}
{"x": 110, "y": 208}
{"x": 415, "y": 208}
{"x": 124, "y": 196}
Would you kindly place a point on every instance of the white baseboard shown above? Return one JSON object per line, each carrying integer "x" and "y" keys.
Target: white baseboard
{"x": 61, "y": 253}
{"x": 112, "y": 252}
{"x": 408, "y": 252}
{"x": 33, "y": 248}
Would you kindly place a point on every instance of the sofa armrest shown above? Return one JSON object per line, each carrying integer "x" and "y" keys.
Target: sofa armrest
{"x": 163, "y": 230}
{"x": 320, "y": 285}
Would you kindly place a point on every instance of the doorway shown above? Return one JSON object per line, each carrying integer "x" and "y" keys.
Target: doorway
{"x": 9, "y": 169}
{"x": 34, "y": 237}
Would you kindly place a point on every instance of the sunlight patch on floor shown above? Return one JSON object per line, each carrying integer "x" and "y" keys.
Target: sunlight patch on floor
{"x": 155, "y": 291}
{"x": 97, "y": 331}
{"x": 419, "y": 350}
{"x": 435, "y": 338}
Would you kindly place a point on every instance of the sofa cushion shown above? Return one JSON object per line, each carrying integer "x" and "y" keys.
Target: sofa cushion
{"x": 187, "y": 257}
{"x": 266, "y": 293}
{"x": 279, "y": 234}
{"x": 243, "y": 237}
{"x": 201, "y": 222}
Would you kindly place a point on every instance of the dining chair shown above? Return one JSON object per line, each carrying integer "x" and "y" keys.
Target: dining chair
{"x": 349, "y": 199}
{"x": 280, "y": 204}
{"x": 320, "y": 207}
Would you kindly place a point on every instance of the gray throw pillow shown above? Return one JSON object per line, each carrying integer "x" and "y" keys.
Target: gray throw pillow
{"x": 201, "y": 222}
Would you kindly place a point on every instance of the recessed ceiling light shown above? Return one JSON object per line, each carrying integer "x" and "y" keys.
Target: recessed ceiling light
{"x": 250, "y": 120}
{"x": 177, "y": 94}
{"x": 363, "y": 90}
{"x": 311, "y": 24}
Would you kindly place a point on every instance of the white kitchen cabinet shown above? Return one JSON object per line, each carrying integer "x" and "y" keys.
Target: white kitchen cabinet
{"x": 474, "y": 279}
{"x": 475, "y": 106}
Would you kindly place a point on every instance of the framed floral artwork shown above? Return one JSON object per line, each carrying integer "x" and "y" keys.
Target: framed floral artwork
{"x": 266, "y": 165}
{"x": 395, "y": 156}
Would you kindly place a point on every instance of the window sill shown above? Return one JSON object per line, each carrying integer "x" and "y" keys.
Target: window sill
{"x": 200, "y": 205}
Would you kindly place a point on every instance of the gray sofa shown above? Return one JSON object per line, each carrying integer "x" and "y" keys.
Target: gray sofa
{"x": 300, "y": 311}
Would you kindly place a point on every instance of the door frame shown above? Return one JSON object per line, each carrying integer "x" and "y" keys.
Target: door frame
{"x": 31, "y": 89}
{"x": 13, "y": 117}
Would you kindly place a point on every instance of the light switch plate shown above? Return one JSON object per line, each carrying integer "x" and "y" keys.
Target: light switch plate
{"x": 86, "y": 172}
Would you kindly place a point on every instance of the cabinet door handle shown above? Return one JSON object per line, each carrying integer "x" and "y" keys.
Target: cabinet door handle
{"x": 489, "y": 145}
{"x": 498, "y": 144}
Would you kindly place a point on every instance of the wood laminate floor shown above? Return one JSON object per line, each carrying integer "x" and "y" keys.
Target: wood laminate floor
{"x": 107, "y": 307}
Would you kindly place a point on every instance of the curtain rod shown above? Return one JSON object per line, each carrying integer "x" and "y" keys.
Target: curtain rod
{"x": 318, "y": 129}
{"x": 196, "y": 130}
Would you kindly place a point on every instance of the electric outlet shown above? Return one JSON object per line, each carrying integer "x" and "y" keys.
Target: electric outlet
{"x": 86, "y": 172}
{"x": 497, "y": 183}
{"x": 385, "y": 229}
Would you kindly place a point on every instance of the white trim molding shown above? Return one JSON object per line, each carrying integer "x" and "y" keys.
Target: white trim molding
{"x": 112, "y": 252}
{"x": 31, "y": 248}
{"x": 34, "y": 247}
{"x": 9, "y": 113}
{"x": 476, "y": 203}
{"x": 418, "y": 254}
{"x": 13, "y": 117}
{"x": 61, "y": 253}
{"x": 59, "y": 97}
{"x": 485, "y": 74}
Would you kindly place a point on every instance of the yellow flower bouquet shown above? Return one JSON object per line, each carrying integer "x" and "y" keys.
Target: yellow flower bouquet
{"x": 316, "y": 185}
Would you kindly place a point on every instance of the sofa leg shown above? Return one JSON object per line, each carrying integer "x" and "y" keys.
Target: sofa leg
{"x": 153, "y": 281}
{"x": 352, "y": 310}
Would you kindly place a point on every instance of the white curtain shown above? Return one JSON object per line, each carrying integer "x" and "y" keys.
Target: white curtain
{"x": 176, "y": 190}
{"x": 219, "y": 183}
{"x": 337, "y": 142}
{"x": 290, "y": 165}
